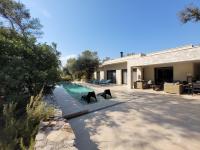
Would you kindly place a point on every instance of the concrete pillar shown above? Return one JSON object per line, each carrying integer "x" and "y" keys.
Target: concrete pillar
{"x": 139, "y": 73}
{"x": 129, "y": 77}
{"x": 102, "y": 75}
{"x": 95, "y": 75}
{"x": 119, "y": 76}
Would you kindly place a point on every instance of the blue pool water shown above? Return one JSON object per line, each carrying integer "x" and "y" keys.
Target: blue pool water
{"x": 76, "y": 90}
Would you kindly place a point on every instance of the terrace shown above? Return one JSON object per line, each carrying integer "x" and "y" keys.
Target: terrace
{"x": 141, "y": 119}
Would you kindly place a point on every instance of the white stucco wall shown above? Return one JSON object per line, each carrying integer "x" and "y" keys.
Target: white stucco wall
{"x": 118, "y": 76}
{"x": 182, "y": 59}
{"x": 102, "y": 74}
{"x": 180, "y": 70}
{"x": 184, "y": 54}
{"x": 95, "y": 75}
{"x": 118, "y": 67}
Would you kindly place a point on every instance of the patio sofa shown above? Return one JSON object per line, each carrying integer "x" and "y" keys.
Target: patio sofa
{"x": 173, "y": 88}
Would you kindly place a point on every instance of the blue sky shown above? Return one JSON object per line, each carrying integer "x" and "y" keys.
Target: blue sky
{"x": 111, "y": 26}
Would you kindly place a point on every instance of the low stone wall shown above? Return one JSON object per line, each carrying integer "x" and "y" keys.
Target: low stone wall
{"x": 55, "y": 134}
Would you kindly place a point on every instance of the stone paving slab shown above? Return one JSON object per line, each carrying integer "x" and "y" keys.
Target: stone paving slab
{"x": 55, "y": 135}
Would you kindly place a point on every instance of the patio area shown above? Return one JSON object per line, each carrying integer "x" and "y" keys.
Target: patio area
{"x": 145, "y": 121}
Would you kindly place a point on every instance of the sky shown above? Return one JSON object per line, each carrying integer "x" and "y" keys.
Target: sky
{"x": 111, "y": 26}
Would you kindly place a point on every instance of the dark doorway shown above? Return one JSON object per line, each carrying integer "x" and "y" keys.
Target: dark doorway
{"x": 124, "y": 76}
{"x": 111, "y": 75}
{"x": 164, "y": 74}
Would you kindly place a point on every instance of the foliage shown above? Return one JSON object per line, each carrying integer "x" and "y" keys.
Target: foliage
{"x": 190, "y": 13}
{"x": 38, "y": 109}
{"x": 105, "y": 59}
{"x": 19, "y": 131}
{"x": 84, "y": 66}
{"x": 67, "y": 78}
{"x": 71, "y": 67}
{"x": 19, "y": 18}
{"x": 26, "y": 68}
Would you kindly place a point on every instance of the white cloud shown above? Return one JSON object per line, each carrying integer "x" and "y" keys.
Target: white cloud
{"x": 46, "y": 13}
{"x": 64, "y": 59}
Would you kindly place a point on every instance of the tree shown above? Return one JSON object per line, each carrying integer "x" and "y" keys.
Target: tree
{"x": 19, "y": 18}
{"x": 105, "y": 59}
{"x": 71, "y": 65}
{"x": 87, "y": 63}
{"x": 26, "y": 68}
{"x": 84, "y": 66}
{"x": 190, "y": 13}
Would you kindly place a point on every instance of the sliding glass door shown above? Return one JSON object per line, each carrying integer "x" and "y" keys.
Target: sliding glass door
{"x": 124, "y": 76}
{"x": 111, "y": 75}
{"x": 163, "y": 74}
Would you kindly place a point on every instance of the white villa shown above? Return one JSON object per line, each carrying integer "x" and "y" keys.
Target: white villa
{"x": 176, "y": 64}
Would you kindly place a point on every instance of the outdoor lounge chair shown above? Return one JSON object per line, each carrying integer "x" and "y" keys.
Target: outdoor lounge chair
{"x": 106, "y": 93}
{"x": 104, "y": 81}
{"x": 95, "y": 82}
{"x": 89, "y": 96}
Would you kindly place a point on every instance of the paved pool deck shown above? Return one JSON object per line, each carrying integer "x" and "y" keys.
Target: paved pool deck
{"x": 67, "y": 104}
{"x": 135, "y": 120}
{"x": 148, "y": 121}
{"x": 72, "y": 107}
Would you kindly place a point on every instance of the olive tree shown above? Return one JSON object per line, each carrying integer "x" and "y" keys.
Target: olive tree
{"x": 190, "y": 13}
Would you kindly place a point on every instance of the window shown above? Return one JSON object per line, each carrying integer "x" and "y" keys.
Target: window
{"x": 111, "y": 75}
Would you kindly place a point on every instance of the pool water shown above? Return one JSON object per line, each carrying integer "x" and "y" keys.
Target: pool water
{"x": 76, "y": 90}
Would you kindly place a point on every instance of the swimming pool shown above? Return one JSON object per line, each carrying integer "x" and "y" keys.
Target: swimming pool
{"x": 76, "y": 90}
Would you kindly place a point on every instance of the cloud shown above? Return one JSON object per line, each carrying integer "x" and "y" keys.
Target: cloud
{"x": 64, "y": 59}
{"x": 46, "y": 13}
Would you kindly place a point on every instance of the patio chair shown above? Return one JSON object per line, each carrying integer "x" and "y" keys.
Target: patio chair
{"x": 150, "y": 83}
{"x": 195, "y": 88}
{"x": 89, "y": 96}
{"x": 106, "y": 93}
{"x": 157, "y": 87}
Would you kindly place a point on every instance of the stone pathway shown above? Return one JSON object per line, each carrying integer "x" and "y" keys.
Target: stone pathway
{"x": 55, "y": 135}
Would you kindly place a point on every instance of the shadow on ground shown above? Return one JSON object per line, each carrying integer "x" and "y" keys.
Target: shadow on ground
{"x": 171, "y": 121}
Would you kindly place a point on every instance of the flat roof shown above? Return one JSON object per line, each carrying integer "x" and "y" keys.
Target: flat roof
{"x": 126, "y": 58}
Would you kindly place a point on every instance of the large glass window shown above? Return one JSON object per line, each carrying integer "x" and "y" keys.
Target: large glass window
{"x": 164, "y": 74}
{"x": 111, "y": 75}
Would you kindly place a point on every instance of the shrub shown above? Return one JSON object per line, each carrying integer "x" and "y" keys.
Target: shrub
{"x": 67, "y": 78}
{"x": 18, "y": 132}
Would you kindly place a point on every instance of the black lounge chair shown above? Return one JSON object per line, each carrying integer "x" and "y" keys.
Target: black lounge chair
{"x": 89, "y": 96}
{"x": 105, "y": 93}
